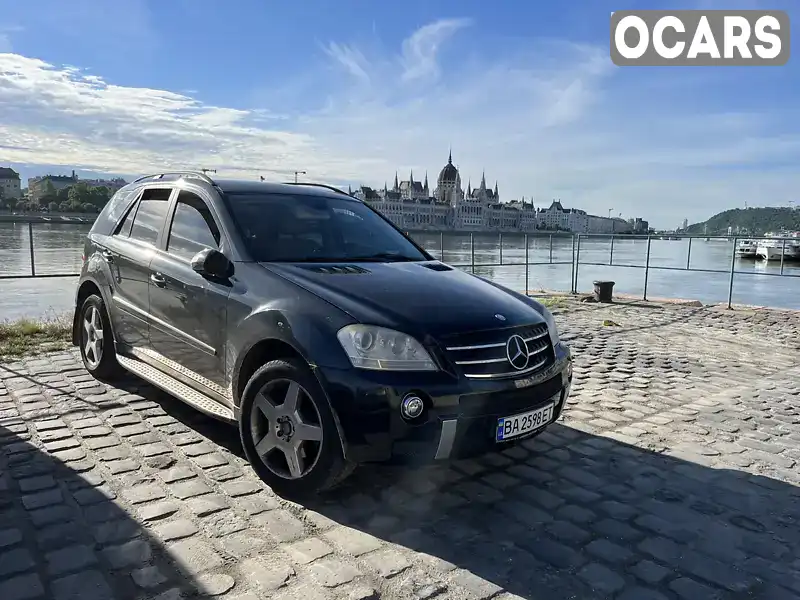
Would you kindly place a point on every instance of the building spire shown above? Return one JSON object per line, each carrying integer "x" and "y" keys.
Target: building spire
{"x": 483, "y": 180}
{"x": 411, "y": 177}
{"x": 450, "y": 157}
{"x": 496, "y": 194}
{"x": 396, "y": 184}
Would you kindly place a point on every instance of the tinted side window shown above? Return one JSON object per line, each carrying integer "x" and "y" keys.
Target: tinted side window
{"x": 150, "y": 215}
{"x": 124, "y": 228}
{"x": 193, "y": 228}
{"x": 112, "y": 211}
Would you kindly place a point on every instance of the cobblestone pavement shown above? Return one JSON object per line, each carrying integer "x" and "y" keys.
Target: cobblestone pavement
{"x": 673, "y": 475}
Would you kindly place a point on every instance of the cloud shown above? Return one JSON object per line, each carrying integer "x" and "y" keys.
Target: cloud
{"x": 421, "y": 48}
{"x": 351, "y": 59}
{"x": 551, "y": 118}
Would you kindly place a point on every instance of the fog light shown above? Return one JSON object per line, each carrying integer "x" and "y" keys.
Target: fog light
{"x": 412, "y": 407}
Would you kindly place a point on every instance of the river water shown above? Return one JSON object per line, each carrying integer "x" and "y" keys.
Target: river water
{"x": 57, "y": 250}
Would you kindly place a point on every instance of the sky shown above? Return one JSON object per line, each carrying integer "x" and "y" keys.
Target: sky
{"x": 352, "y": 91}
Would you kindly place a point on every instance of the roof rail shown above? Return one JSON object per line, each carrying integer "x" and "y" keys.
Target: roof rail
{"x": 321, "y": 185}
{"x": 198, "y": 174}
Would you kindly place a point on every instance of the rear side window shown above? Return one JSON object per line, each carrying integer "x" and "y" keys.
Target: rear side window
{"x": 112, "y": 211}
{"x": 150, "y": 215}
{"x": 124, "y": 228}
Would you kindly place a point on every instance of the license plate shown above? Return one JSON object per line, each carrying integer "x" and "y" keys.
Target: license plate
{"x": 517, "y": 425}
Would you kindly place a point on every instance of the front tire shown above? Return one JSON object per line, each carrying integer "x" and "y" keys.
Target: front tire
{"x": 97, "y": 340}
{"x": 288, "y": 430}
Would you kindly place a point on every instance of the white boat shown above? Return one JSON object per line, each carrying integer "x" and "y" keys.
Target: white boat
{"x": 746, "y": 249}
{"x": 775, "y": 249}
{"x": 769, "y": 250}
{"x": 793, "y": 247}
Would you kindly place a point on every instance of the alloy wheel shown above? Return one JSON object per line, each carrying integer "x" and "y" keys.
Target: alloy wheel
{"x": 286, "y": 428}
{"x": 93, "y": 336}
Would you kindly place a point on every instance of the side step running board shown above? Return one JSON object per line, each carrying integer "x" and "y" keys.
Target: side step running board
{"x": 176, "y": 388}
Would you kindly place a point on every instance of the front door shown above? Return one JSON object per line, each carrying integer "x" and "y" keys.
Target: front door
{"x": 188, "y": 311}
{"x": 128, "y": 252}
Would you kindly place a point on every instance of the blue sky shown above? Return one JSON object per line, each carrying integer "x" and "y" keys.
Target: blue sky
{"x": 351, "y": 91}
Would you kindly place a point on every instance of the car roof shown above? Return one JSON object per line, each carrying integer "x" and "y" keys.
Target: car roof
{"x": 243, "y": 186}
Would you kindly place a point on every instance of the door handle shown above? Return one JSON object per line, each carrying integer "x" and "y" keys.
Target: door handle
{"x": 157, "y": 279}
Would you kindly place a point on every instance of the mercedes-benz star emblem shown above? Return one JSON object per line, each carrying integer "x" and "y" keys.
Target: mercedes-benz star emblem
{"x": 517, "y": 352}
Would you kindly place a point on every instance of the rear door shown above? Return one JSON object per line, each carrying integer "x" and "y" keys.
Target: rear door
{"x": 129, "y": 251}
{"x": 189, "y": 311}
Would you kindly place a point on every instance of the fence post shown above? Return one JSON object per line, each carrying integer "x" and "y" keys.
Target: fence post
{"x": 441, "y": 246}
{"x": 689, "y": 254}
{"x": 472, "y": 251}
{"x": 577, "y": 265}
{"x": 526, "y": 264}
{"x": 733, "y": 271}
{"x": 611, "y": 254}
{"x": 30, "y": 242}
{"x": 646, "y": 268}
{"x": 501, "y": 248}
{"x": 551, "y": 248}
{"x": 572, "y": 274}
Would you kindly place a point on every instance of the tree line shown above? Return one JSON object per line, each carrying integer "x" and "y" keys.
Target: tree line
{"x": 77, "y": 198}
{"x": 750, "y": 221}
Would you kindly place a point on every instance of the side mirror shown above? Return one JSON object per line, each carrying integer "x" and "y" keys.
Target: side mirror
{"x": 212, "y": 263}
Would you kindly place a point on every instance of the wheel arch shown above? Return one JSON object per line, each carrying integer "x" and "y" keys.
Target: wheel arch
{"x": 86, "y": 289}
{"x": 267, "y": 350}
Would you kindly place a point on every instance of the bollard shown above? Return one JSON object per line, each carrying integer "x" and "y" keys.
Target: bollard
{"x": 603, "y": 291}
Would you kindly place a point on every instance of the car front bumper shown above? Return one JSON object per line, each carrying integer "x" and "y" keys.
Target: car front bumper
{"x": 461, "y": 417}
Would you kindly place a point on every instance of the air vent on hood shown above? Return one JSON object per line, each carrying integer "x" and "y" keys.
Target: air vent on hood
{"x": 339, "y": 270}
{"x": 437, "y": 267}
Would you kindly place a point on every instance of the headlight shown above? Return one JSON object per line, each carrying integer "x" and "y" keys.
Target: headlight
{"x": 551, "y": 326}
{"x": 370, "y": 347}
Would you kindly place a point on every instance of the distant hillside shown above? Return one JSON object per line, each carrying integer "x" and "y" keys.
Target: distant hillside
{"x": 753, "y": 221}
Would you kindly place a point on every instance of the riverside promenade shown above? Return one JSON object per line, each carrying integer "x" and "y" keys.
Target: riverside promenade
{"x": 675, "y": 473}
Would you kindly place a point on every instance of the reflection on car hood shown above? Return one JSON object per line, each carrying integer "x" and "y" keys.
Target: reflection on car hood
{"x": 418, "y": 297}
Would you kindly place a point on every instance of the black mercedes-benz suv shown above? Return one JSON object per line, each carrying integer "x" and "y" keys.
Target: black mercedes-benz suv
{"x": 303, "y": 316}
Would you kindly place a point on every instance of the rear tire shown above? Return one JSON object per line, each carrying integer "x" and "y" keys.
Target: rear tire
{"x": 97, "y": 340}
{"x": 288, "y": 431}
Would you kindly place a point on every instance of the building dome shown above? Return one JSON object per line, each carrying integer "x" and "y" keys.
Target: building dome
{"x": 449, "y": 174}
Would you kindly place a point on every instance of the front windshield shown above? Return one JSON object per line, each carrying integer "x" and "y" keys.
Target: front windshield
{"x": 314, "y": 228}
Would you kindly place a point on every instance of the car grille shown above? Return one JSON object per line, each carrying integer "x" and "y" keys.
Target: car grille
{"x": 482, "y": 355}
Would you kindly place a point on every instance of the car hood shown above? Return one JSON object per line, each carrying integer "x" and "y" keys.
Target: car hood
{"x": 421, "y": 298}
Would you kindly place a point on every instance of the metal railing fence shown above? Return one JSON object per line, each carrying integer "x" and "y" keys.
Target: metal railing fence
{"x": 571, "y": 244}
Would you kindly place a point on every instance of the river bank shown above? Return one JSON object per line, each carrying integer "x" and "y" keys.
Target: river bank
{"x": 54, "y": 218}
